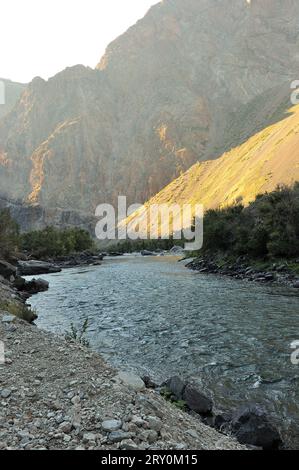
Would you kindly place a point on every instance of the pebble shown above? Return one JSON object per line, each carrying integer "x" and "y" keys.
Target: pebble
{"x": 65, "y": 427}
{"x": 89, "y": 437}
{"x": 111, "y": 425}
{"x": 128, "y": 444}
{"x": 154, "y": 423}
{"x": 118, "y": 436}
{"x": 133, "y": 381}
{"x": 8, "y": 319}
{"x": 5, "y": 393}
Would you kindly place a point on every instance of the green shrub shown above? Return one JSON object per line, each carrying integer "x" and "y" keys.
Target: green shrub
{"x": 77, "y": 335}
{"x": 267, "y": 228}
{"x": 9, "y": 234}
{"x": 52, "y": 242}
{"x": 19, "y": 310}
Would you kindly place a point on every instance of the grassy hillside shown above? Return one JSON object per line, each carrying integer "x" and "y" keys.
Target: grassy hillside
{"x": 265, "y": 160}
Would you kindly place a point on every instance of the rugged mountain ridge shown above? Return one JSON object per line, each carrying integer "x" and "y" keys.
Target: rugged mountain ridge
{"x": 158, "y": 102}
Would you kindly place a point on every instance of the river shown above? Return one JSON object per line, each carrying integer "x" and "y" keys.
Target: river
{"x": 154, "y": 316}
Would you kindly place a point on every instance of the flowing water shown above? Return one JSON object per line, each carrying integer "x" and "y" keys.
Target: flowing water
{"x": 155, "y": 316}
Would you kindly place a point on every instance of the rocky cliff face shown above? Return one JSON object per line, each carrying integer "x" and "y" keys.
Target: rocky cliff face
{"x": 10, "y": 93}
{"x": 34, "y": 217}
{"x": 158, "y": 102}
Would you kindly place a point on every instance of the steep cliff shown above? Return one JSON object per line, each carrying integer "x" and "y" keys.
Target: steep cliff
{"x": 161, "y": 99}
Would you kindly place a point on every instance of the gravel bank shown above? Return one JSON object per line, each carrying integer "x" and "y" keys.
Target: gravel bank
{"x": 60, "y": 395}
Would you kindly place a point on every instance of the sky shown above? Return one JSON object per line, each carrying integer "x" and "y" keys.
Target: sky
{"x": 42, "y": 37}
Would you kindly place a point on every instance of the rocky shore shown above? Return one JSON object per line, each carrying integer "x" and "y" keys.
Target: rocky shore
{"x": 278, "y": 273}
{"x": 31, "y": 267}
{"x": 57, "y": 394}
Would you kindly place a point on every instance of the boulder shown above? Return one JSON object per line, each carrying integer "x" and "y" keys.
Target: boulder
{"x": 176, "y": 250}
{"x": 149, "y": 383}
{"x": 176, "y": 386}
{"x": 131, "y": 380}
{"x": 148, "y": 253}
{"x": 197, "y": 401}
{"x": 7, "y": 270}
{"x": 19, "y": 283}
{"x": 296, "y": 285}
{"x": 222, "y": 421}
{"x": 251, "y": 426}
{"x": 35, "y": 286}
{"x": 33, "y": 268}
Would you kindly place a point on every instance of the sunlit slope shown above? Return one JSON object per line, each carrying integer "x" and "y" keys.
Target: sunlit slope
{"x": 269, "y": 158}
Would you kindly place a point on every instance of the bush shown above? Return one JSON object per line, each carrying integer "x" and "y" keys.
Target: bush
{"x": 52, "y": 242}
{"x": 268, "y": 227}
{"x": 9, "y": 234}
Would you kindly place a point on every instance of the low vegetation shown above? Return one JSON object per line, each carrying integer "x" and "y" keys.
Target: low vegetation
{"x": 9, "y": 235}
{"x": 19, "y": 310}
{"x": 180, "y": 404}
{"x": 52, "y": 242}
{"x": 267, "y": 229}
{"x": 78, "y": 334}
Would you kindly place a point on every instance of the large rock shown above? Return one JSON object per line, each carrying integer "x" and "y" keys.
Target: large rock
{"x": 33, "y": 268}
{"x": 176, "y": 386}
{"x": 148, "y": 253}
{"x": 251, "y": 426}
{"x": 131, "y": 380}
{"x": 197, "y": 401}
{"x": 7, "y": 270}
{"x": 36, "y": 285}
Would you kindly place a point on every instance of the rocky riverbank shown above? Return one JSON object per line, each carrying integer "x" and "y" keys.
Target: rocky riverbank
{"x": 57, "y": 394}
{"x": 279, "y": 273}
{"x": 31, "y": 267}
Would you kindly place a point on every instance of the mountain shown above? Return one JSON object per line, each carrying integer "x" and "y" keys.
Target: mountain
{"x": 11, "y": 91}
{"x": 170, "y": 92}
{"x": 266, "y": 160}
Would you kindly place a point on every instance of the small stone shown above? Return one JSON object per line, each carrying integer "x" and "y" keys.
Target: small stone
{"x": 89, "y": 437}
{"x": 128, "y": 444}
{"x": 149, "y": 436}
{"x": 154, "y": 423}
{"x": 118, "y": 436}
{"x": 5, "y": 393}
{"x": 8, "y": 318}
{"x": 138, "y": 421}
{"x": 76, "y": 400}
{"x": 132, "y": 381}
{"x": 65, "y": 427}
{"x": 111, "y": 425}
{"x": 192, "y": 433}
